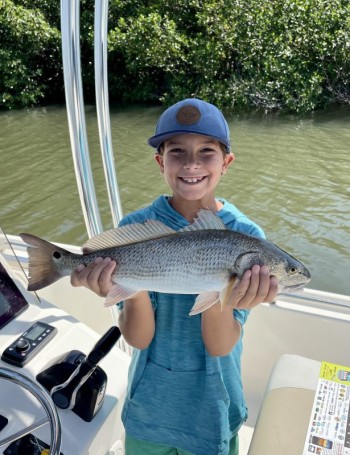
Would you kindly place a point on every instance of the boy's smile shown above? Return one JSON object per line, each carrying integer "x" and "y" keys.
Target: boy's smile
{"x": 192, "y": 180}
{"x": 192, "y": 165}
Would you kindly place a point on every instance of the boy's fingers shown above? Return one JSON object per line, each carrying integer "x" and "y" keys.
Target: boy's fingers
{"x": 252, "y": 287}
{"x": 273, "y": 290}
{"x": 81, "y": 274}
{"x": 105, "y": 278}
{"x": 95, "y": 276}
{"x": 96, "y": 270}
{"x": 262, "y": 288}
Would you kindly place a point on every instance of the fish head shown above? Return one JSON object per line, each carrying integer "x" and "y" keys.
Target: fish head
{"x": 292, "y": 275}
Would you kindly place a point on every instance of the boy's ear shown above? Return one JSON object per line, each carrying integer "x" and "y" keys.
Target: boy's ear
{"x": 229, "y": 158}
{"x": 159, "y": 159}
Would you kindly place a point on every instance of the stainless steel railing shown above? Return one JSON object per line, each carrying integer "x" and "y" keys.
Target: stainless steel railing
{"x": 70, "y": 29}
{"x": 102, "y": 106}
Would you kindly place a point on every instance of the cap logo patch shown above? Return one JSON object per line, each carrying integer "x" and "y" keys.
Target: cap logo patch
{"x": 188, "y": 115}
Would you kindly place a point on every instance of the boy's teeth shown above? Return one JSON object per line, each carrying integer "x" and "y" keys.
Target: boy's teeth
{"x": 192, "y": 180}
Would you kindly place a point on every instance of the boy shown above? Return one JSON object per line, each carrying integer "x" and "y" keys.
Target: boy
{"x": 185, "y": 393}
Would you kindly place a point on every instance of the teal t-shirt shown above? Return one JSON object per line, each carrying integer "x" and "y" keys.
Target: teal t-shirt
{"x": 178, "y": 394}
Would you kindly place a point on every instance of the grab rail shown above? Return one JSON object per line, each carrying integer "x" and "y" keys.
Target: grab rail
{"x": 315, "y": 303}
{"x": 70, "y": 29}
{"x": 335, "y": 301}
{"x": 102, "y": 106}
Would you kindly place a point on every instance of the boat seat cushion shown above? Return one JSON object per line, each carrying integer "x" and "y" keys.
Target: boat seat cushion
{"x": 285, "y": 413}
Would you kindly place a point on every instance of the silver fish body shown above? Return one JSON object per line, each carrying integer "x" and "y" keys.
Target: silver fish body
{"x": 204, "y": 258}
{"x": 189, "y": 262}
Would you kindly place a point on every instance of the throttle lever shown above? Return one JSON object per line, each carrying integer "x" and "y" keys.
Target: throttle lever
{"x": 64, "y": 394}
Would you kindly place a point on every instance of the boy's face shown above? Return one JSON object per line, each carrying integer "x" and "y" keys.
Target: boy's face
{"x": 192, "y": 165}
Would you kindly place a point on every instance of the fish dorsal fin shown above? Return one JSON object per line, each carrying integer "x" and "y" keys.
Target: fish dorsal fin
{"x": 205, "y": 219}
{"x": 125, "y": 235}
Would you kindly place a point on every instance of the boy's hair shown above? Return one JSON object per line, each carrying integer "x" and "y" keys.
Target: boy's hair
{"x": 192, "y": 116}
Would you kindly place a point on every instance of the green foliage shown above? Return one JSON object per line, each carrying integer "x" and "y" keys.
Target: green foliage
{"x": 289, "y": 54}
{"x": 150, "y": 49}
{"x": 274, "y": 54}
{"x": 29, "y": 55}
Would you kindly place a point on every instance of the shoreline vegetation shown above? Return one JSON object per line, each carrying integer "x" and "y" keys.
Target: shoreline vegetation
{"x": 290, "y": 55}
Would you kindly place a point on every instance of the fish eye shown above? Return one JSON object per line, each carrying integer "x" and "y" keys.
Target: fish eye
{"x": 56, "y": 255}
{"x": 292, "y": 270}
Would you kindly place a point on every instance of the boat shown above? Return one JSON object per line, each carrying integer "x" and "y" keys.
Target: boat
{"x": 47, "y": 338}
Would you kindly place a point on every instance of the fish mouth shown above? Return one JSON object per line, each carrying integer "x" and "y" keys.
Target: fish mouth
{"x": 293, "y": 288}
{"x": 193, "y": 180}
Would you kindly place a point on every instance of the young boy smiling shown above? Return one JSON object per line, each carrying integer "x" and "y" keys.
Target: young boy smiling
{"x": 185, "y": 394}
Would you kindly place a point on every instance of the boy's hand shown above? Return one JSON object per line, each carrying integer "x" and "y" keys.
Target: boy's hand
{"x": 255, "y": 287}
{"x": 219, "y": 331}
{"x": 96, "y": 276}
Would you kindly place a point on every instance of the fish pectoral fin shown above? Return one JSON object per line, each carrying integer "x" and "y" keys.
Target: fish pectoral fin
{"x": 204, "y": 301}
{"x": 118, "y": 294}
{"x": 225, "y": 293}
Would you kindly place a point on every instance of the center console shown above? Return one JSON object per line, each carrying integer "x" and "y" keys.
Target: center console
{"x": 51, "y": 347}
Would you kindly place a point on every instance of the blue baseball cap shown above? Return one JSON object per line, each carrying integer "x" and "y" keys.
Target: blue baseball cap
{"x": 192, "y": 116}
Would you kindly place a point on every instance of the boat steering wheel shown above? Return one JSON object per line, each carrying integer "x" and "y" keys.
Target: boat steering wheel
{"x": 38, "y": 391}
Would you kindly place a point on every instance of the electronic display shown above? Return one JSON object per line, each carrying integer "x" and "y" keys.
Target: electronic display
{"x": 35, "y": 332}
{"x": 4, "y": 305}
{"x": 12, "y": 301}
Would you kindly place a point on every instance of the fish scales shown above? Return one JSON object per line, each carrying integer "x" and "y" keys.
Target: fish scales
{"x": 177, "y": 263}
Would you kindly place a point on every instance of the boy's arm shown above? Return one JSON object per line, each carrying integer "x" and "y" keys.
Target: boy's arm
{"x": 220, "y": 331}
{"x": 136, "y": 320}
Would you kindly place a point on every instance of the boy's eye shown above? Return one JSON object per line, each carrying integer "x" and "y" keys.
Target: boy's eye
{"x": 176, "y": 151}
{"x": 208, "y": 150}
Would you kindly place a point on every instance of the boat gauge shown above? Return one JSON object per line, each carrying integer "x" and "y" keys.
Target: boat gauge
{"x": 29, "y": 344}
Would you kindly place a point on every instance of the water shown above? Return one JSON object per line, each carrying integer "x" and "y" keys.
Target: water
{"x": 291, "y": 175}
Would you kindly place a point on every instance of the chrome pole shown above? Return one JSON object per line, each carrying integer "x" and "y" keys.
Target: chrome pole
{"x": 102, "y": 106}
{"x": 70, "y": 29}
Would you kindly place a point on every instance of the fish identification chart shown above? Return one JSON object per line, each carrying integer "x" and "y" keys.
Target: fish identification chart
{"x": 329, "y": 427}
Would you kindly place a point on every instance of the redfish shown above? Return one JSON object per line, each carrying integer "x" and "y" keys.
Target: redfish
{"x": 204, "y": 258}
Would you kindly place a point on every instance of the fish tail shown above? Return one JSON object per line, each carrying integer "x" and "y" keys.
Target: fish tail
{"x": 42, "y": 262}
